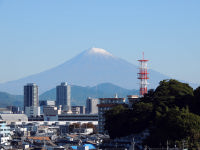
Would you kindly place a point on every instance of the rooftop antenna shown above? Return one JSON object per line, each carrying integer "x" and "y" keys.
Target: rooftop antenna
{"x": 143, "y": 55}
{"x": 116, "y": 96}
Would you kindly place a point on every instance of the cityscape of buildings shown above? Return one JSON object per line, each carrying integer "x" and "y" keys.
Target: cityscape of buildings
{"x": 55, "y": 124}
{"x": 72, "y": 77}
{"x": 41, "y": 119}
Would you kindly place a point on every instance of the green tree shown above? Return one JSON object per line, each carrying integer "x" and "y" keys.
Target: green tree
{"x": 114, "y": 123}
{"x": 173, "y": 93}
{"x": 196, "y": 101}
{"x": 175, "y": 126}
{"x": 168, "y": 113}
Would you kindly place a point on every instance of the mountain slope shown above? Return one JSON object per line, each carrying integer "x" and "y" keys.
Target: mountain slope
{"x": 79, "y": 94}
{"x": 10, "y": 100}
{"x": 91, "y": 67}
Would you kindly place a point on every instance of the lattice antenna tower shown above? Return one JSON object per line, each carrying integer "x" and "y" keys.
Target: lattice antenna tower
{"x": 143, "y": 75}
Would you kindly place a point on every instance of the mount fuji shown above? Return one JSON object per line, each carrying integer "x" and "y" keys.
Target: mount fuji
{"x": 91, "y": 67}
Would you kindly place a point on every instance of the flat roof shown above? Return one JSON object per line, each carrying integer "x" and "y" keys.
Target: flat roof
{"x": 112, "y": 98}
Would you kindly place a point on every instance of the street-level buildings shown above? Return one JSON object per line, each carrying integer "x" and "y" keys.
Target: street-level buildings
{"x": 4, "y": 132}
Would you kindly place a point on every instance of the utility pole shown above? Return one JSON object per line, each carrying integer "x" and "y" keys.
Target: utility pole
{"x": 132, "y": 147}
{"x": 183, "y": 144}
{"x": 133, "y": 143}
{"x": 167, "y": 145}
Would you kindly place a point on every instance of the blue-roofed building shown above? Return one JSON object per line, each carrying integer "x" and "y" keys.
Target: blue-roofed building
{"x": 84, "y": 147}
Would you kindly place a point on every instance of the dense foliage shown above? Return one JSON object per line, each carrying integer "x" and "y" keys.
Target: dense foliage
{"x": 170, "y": 113}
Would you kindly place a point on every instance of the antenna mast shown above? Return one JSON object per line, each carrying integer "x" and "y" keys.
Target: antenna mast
{"x": 143, "y": 75}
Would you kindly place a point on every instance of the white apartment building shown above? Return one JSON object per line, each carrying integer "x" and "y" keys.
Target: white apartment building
{"x": 32, "y": 111}
{"x": 4, "y": 132}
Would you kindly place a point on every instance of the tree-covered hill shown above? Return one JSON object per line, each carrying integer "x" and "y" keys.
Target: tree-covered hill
{"x": 7, "y": 99}
{"x": 170, "y": 113}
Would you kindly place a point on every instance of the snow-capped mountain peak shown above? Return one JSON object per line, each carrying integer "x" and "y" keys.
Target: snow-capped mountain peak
{"x": 89, "y": 68}
{"x": 98, "y": 51}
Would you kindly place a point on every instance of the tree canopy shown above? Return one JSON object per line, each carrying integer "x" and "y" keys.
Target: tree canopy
{"x": 170, "y": 113}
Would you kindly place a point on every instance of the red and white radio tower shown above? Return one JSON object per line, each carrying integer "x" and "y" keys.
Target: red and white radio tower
{"x": 143, "y": 76}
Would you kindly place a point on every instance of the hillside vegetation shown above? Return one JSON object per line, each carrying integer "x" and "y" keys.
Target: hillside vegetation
{"x": 170, "y": 113}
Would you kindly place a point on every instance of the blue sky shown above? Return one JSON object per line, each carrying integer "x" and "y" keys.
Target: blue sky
{"x": 36, "y": 35}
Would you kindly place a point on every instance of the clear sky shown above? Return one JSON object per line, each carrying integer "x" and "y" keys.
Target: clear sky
{"x": 36, "y": 35}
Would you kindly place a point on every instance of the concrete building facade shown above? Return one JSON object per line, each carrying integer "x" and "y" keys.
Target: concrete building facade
{"x": 31, "y": 95}
{"x": 91, "y": 105}
{"x": 44, "y": 103}
{"x": 78, "y": 109}
{"x": 4, "y": 132}
{"x": 31, "y": 100}
{"x": 51, "y": 113}
{"x": 32, "y": 111}
{"x": 63, "y": 97}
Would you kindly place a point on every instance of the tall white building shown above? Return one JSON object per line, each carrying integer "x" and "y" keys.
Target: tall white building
{"x": 63, "y": 97}
{"x": 91, "y": 105}
{"x": 31, "y": 100}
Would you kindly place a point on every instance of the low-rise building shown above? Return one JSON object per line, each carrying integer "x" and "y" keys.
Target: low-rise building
{"x": 78, "y": 117}
{"x": 83, "y": 130}
{"x": 32, "y": 111}
{"x": 5, "y": 111}
{"x": 14, "y": 118}
{"x": 75, "y": 110}
{"x": 78, "y": 109}
{"x": 51, "y": 113}
{"x": 14, "y": 109}
{"x": 132, "y": 99}
{"x": 5, "y": 132}
{"x": 44, "y": 103}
